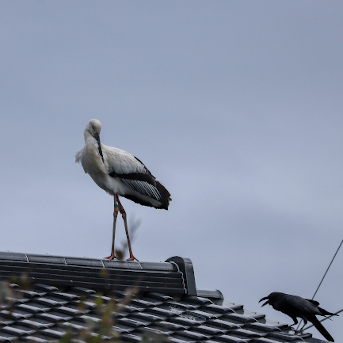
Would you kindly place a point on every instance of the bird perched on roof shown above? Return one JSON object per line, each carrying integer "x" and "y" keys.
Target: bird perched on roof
{"x": 119, "y": 174}
{"x": 295, "y": 306}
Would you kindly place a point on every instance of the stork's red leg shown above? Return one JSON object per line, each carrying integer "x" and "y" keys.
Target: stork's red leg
{"x": 115, "y": 214}
{"x": 123, "y": 213}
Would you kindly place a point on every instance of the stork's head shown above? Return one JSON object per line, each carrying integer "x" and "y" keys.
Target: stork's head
{"x": 93, "y": 129}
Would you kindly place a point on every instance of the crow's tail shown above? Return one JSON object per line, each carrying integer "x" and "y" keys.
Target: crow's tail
{"x": 321, "y": 328}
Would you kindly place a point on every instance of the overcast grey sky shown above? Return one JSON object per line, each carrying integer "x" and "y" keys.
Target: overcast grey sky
{"x": 235, "y": 106}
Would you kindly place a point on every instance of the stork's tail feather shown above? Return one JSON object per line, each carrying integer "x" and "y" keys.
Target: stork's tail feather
{"x": 165, "y": 195}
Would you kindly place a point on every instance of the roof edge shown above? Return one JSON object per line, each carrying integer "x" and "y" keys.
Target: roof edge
{"x": 185, "y": 265}
{"x": 86, "y": 262}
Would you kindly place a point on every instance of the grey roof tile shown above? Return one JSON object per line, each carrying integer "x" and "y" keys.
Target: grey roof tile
{"x": 4, "y": 337}
{"x": 263, "y": 340}
{"x": 136, "y": 306}
{"x": 233, "y": 307}
{"x": 152, "y": 302}
{"x": 51, "y": 317}
{"x": 132, "y": 308}
{"x": 35, "y": 321}
{"x": 82, "y": 291}
{"x": 243, "y": 333}
{"x": 151, "y": 331}
{"x": 70, "y": 310}
{"x": 33, "y": 339}
{"x": 32, "y": 324}
{"x": 159, "y": 296}
{"x": 197, "y": 336}
{"x": 224, "y": 323}
{"x": 90, "y": 318}
{"x": 130, "y": 322}
{"x": 30, "y": 294}
{"x": 177, "y": 339}
{"x": 59, "y": 315}
{"x": 168, "y": 327}
{"x": 85, "y": 306}
{"x": 203, "y": 314}
{"x": 187, "y": 321}
{"x": 220, "y": 309}
{"x": 183, "y": 339}
{"x": 209, "y": 330}
{"x": 47, "y": 302}
{"x": 29, "y": 308}
{"x": 288, "y": 336}
{"x": 14, "y": 315}
{"x": 141, "y": 303}
{"x": 266, "y": 327}
{"x": 56, "y": 332}
{"x": 129, "y": 337}
{"x": 170, "y": 310}
{"x": 161, "y": 313}
{"x": 184, "y": 305}
{"x": 231, "y": 339}
{"x": 65, "y": 296}
{"x": 72, "y": 325}
{"x": 45, "y": 288}
{"x": 16, "y": 330}
{"x": 198, "y": 301}
{"x": 123, "y": 328}
{"x": 5, "y": 320}
{"x": 149, "y": 318}
{"x": 241, "y": 318}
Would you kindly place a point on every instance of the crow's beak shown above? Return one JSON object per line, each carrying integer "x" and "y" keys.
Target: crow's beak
{"x": 97, "y": 137}
{"x": 267, "y": 302}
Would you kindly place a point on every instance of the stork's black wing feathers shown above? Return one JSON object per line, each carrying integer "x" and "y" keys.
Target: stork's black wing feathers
{"x": 142, "y": 187}
{"x": 145, "y": 184}
{"x": 135, "y": 177}
{"x": 163, "y": 196}
{"x": 145, "y": 175}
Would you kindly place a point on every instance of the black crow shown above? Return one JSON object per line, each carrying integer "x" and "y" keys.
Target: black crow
{"x": 295, "y": 306}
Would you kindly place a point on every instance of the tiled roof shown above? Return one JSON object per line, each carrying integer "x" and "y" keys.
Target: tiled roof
{"x": 64, "y": 296}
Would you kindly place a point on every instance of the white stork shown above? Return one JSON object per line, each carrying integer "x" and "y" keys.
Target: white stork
{"x": 119, "y": 173}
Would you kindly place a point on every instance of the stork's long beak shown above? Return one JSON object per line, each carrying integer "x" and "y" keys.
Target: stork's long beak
{"x": 267, "y": 302}
{"x": 97, "y": 137}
